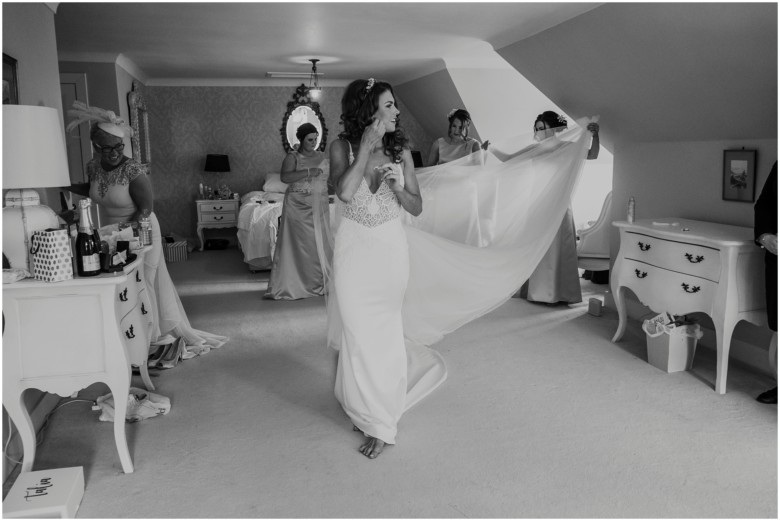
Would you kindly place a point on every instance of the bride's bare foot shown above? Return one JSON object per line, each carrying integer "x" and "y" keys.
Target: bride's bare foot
{"x": 372, "y": 448}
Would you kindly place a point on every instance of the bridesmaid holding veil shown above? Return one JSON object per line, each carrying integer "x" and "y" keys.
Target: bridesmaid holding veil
{"x": 457, "y": 144}
{"x": 296, "y": 272}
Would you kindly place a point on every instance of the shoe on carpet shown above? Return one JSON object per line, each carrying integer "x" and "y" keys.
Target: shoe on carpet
{"x": 769, "y": 396}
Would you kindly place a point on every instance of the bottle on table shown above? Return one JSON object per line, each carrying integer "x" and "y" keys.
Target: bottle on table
{"x": 145, "y": 231}
{"x": 87, "y": 243}
{"x": 631, "y": 209}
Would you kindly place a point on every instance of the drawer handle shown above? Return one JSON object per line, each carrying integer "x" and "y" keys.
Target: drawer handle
{"x": 699, "y": 258}
{"x": 130, "y": 333}
{"x": 123, "y": 295}
{"x": 643, "y": 246}
{"x": 640, "y": 274}
{"x": 143, "y": 309}
{"x": 217, "y": 209}
{"x": 219, "y": 217}
{"x": 137, "y": 277}
{"x": 689, "y": 289}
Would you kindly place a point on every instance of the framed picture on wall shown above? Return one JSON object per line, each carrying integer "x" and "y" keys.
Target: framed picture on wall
{"x": 10, "y": 85}
{"x": 739, "y": 175}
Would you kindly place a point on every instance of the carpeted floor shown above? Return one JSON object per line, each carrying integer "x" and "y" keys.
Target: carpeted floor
{"x": 542, "y": 416}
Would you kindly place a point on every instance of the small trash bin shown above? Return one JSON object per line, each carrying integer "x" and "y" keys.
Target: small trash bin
{"x": 671, "y": 348}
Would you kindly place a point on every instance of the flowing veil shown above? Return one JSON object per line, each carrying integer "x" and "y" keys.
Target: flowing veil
{"x": 487, "y": 221}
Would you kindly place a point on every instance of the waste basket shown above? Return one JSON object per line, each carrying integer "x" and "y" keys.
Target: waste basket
{"x": 671, "y": 348}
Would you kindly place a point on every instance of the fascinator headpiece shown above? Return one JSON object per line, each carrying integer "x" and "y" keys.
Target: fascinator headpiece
{"x": 107, "y": 120}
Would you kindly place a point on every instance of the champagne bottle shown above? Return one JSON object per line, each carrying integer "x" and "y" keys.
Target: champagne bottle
{"x": 87, "y": 243}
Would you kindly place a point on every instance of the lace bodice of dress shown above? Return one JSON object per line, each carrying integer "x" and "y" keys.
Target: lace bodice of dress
{"x": 372, "y": 210}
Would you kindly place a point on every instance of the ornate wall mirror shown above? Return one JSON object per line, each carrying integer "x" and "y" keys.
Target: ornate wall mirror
{"x": 299, "y": 111}
{"x": 139, "y": 120}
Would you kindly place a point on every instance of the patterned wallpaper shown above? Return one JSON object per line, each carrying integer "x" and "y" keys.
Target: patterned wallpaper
{"x": 186, "y": 123}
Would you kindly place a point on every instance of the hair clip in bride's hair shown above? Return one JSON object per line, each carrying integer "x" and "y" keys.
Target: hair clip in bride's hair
{"x": 451, "y": 113}
{"x": 562, "y": 120}
{"x": 370, "y": 84}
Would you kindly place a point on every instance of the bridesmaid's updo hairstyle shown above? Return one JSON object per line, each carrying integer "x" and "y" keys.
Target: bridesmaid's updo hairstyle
{"x": 304, "y": 130}
{"x": 464, "y": 117}
{"x": 552, "y": 120}
{"x": 358, "y": 106}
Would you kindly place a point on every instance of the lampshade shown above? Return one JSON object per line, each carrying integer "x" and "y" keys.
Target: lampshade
{"x": 34, "y": 156}
{"x": 34, "y": 153}
{"x": 217, "y": 163}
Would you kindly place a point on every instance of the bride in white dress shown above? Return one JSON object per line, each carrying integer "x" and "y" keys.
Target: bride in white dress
{"x": 403, "y": 276}
{"x": 374, "y": 176}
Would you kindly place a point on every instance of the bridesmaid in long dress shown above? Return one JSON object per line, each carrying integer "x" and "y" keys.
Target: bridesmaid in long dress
{"x": 457, "y": 144}
{"x": 296, "y": 272}
{"x": 556, "y": 278}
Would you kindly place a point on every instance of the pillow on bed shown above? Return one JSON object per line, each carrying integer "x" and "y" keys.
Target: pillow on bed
{"x": 250, "y": 196}
{"x": 273, "y": 183}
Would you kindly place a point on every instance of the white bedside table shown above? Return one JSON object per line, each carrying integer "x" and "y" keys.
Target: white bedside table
{"x": 683, "y": 266}
{"x": 216, "y": 213}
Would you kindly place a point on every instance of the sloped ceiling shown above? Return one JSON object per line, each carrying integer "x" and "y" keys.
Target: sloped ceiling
{"x": 219, "y": 41}
{"x": 661, "y": 72}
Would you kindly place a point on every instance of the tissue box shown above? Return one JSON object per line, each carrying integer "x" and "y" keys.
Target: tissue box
{"x": 45, "y": 493}
{"x": 175, "y": 251}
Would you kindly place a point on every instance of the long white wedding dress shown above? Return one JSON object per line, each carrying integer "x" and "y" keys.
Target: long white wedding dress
{"x": 399, "y": 284}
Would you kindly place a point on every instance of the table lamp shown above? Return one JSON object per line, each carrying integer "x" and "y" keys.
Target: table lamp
{"x": 217, "y": 163}
{"x": 34, "y": 156}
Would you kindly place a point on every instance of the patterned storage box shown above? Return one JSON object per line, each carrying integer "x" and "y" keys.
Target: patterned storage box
{"x": 175, "y": 251}
{"x": 51, "y": 255}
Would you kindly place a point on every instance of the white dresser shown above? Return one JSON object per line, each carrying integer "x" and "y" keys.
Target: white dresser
{"x": 684, "y": 266}
{"x": 61, "y": 337}
{"x": 216, "y": 213}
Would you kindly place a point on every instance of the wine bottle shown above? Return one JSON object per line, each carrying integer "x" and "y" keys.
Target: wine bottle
{"x": 87, "y": 247}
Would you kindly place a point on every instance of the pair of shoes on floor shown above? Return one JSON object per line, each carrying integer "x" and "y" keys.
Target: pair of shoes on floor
{"x": 769, "y": 396}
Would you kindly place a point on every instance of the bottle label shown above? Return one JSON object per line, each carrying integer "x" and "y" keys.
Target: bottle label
{"x": 91, "y": 262}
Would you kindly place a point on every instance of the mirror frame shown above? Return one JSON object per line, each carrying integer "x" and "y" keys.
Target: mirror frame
{"x": 139, "y": 121}
{"x": 301, "y": 98}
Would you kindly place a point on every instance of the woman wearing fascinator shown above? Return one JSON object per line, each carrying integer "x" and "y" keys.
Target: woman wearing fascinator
{"x": 296, "y": 272}
{"x": 121, "y": 188}
{"x": 457, "y": 144}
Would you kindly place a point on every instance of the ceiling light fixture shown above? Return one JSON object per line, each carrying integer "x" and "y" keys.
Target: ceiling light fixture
{"x": 314, "y": 88}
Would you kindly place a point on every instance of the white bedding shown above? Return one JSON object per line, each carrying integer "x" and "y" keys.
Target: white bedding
{"x": 258, "y": 222}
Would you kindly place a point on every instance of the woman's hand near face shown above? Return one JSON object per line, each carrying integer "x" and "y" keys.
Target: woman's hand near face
{"x": 372, "y": 135}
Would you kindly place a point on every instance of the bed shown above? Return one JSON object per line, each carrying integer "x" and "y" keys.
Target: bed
{"x": 258, "y": 223}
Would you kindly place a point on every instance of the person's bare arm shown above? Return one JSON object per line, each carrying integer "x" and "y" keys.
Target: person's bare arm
{"x": 142, "y": 195}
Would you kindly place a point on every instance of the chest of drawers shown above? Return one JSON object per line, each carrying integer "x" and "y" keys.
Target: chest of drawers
{"x": 216, "y": 213}
{"x": 685, "y": 266}
{"x": 61, "y": 337}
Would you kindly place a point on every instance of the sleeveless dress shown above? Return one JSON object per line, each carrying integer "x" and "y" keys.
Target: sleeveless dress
{"x": 111, "y": 190}
{"x": 452, "y": 151}
{"x": 296, "y": 272}
{"x": 378, "y": 375}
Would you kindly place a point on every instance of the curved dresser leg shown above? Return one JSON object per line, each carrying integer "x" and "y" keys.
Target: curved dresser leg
{"x": 620, "y": 304}
{"x": 120, "y": 413}
{"x": 723, "y": 342}
{"x": 200, "y": 236}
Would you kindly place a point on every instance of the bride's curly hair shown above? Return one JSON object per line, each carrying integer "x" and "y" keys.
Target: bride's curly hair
{"x": 358, "y": 106}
